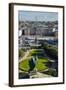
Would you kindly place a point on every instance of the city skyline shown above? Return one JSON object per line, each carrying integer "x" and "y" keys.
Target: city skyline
{"x": 37, "y": 16}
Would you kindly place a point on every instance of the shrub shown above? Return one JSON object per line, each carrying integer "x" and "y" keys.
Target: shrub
{"x": 21, "y": 53}
{"x": 51, "y": 51}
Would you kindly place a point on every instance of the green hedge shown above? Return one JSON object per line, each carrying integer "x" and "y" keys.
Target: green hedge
{"x": 51, "y": 51}
{"x": 21, "y": 52}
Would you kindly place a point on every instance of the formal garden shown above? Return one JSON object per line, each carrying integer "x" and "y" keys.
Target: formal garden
{"x": 36, "y": 59}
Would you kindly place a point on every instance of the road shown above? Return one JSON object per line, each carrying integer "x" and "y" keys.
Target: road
{"x": 26, "y": 54}
{"x": 39, "y": 75}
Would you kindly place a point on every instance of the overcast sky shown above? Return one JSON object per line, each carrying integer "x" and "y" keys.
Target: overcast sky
{"x": 39, "y": 16}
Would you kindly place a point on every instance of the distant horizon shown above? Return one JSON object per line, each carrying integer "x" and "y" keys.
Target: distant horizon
{"x": 37, "y": 16}
{"x": 37, "y": 21}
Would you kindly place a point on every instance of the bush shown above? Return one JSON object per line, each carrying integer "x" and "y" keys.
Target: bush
{"x": 21, "y": 53}
{"x": 51, "y": 51}
{"x": 51, "y": 72}
{"x": 35, "y": 47}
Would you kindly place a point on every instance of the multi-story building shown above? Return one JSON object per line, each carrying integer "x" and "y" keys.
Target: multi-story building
{"x": 36, "y": 29}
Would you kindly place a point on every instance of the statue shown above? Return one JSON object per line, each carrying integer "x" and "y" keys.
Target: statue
{"x": 32, "y": 63}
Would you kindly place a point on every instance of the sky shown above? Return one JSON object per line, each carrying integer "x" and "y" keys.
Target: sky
{"x": 36, "y": 15}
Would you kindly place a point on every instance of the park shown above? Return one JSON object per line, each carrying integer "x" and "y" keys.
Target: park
{"x": 38, "y": 61}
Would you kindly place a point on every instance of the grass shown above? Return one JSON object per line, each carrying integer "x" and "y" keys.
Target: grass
{"x": 41, "y": 61}
{"x": 24, "y": 65}
{"x": 34, "y": 52}
{"x": 41, "y": 64}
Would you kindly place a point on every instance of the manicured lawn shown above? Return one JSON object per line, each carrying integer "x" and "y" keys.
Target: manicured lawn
{"x": 24, "y": 64}
{"x": 38, "y": 52}
{"x": 41, "y": 64}
{"x": 41, "y": 61}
